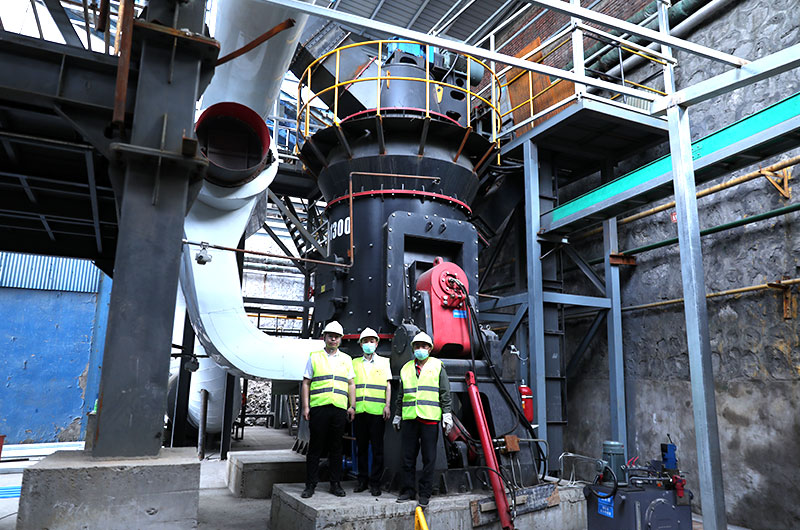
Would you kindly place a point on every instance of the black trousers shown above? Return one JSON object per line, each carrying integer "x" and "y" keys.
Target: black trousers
{"x": 369, "y": 429}
{"x": 326, "y": 424}
{"x": 413, "y": 436}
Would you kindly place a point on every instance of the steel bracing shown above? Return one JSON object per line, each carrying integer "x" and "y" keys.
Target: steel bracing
{"x": 152, "y": 164}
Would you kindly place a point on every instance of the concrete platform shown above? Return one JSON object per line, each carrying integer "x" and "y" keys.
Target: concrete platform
{"x": 251, "y": 474}
{"x": 362, "y": 511}
{"x": 72, "y": 490}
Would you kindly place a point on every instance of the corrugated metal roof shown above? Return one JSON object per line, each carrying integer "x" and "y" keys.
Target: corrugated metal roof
{"x": 402, "y": 13}
{"x": 30, "y": 271}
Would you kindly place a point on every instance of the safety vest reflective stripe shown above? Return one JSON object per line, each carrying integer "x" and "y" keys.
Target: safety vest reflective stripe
{"x": 327, "y": 377}
{"x": 421, "y": 394}
{"x": 323, "y": 390}
{"x": 370, "y": 382}
{"x": 372, "y": 400}
{"x": 373, "y": 387}
{"x": 328, "y": 381}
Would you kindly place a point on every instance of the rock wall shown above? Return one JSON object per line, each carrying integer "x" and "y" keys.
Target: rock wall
{"x": 756, "y": 352}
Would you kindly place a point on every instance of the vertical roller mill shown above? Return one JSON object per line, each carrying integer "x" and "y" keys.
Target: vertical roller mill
{"x": 399, "y": 176}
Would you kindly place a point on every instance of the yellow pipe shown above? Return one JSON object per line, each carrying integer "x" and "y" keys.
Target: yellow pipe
{"x": 702, "y": 193}
{"x": 729, "y": 292}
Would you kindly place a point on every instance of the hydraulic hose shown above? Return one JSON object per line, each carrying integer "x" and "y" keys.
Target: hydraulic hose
{"x": 516, "y": 407}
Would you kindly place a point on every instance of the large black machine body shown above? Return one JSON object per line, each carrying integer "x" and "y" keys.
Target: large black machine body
{"x": 399, "y": 179}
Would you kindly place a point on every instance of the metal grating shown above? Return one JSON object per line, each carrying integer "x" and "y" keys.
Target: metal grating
{"x": 30, "y": 271}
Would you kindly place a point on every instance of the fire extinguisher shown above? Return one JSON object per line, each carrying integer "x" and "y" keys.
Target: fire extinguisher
{"x": 526, "y": 394}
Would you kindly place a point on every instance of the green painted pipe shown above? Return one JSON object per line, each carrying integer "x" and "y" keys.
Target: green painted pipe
{"x": 677, "y": 14}
{"x": 713, "y": 230}
{"x": 719, "y": 228}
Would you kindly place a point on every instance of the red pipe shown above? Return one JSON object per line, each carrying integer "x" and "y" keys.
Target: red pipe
{"x": 500, "y": 499}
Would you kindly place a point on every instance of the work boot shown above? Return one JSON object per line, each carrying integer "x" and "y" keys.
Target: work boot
{"x": 336, "y": 489}
{"x": 362, "y": 486}
{"x": 407, "y": 496}
{"x": 423, "y": 501}
{"x": 308, "y": 492}
{"x": 375, "y": 491}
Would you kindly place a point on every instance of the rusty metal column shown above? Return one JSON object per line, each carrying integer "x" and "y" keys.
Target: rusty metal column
{"x": 158, "y": 162}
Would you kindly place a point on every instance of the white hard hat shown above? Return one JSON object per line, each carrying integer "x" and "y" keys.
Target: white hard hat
{"x": 333, "y": 327}
{"x": 368, "y": 332}
{"x": 422, "y": 337}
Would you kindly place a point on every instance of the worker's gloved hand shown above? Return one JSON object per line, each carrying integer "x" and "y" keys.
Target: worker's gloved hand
{"x": 396, "y": 423}
{"x": 447, "y": 422}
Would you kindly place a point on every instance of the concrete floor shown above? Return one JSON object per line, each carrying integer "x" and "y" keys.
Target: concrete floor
{"x": 219, "y": 508}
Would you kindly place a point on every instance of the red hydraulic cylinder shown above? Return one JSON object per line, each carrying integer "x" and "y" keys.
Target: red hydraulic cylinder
{"x": 500, "y": 499}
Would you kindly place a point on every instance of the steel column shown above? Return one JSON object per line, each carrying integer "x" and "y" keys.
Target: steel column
{"x": 616, "y": 361}
{"x": 181, "y": 410}
{"x": 709, "y": 459}
{"x": 135, "y": 368}
{"x": 533, "y": 252}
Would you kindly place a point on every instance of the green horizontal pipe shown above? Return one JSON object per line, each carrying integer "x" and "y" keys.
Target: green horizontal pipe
{"x": 713, "y": 230}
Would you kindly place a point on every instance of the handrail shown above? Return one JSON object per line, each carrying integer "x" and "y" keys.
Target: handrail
{"x": 304, "y": 107}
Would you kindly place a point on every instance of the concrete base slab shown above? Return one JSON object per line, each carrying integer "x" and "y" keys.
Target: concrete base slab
{"x": 72, "y": 490}
{"x": 362, "y": 511}
{"x": 251, "y": 474}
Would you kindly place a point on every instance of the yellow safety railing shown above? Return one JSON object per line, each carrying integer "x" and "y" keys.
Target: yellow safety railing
{"x": 419, "y": 519}
{"x": 304, "y": 107}
{"x": 556, "y": 43}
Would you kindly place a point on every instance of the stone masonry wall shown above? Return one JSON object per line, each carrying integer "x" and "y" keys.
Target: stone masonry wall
{"x": 756, "y": 353}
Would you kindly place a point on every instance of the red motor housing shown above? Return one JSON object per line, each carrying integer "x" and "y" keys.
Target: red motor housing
{"x": 449, "y": 314}
{"x": 526, "y": 394}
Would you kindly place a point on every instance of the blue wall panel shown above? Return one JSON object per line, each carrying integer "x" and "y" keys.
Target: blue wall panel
{"x": 46, "y": 343}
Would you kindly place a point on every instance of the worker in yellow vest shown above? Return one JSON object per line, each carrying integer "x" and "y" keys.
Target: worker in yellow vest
{"x": 422, "y": 401}
{"x": 328, "y": 395}
{"x": 373, "y": 395}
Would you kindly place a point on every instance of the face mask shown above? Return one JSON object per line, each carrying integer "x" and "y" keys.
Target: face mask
{"x": 369, "y": 348}
{"x": 421, "y": 354}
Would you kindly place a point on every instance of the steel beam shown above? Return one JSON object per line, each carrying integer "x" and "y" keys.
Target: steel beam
{"x": 758, "y": 70}
{"x": 574, "y": 361}
{"x": 586, "y": 269}
{"x": 604, "y": 20}
{"x": 616, "y": 360}
{"x": 180, "y": 412}
{"x": 575, "y": 299}
{"x": 709, "y": 459}
{"x": 513, "y": 325}
{"x": 535, "y": 300}
{"x": 302, "y": 229}
{"x": 63, "y": 23}
{"x": 439, "y": 42}
{"x": 157, "y": 175}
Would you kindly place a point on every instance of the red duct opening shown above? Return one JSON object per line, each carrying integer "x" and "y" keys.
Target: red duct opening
{"x": 235, "y": 140}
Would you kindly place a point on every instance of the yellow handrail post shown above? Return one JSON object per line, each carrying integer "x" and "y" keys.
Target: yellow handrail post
{"x": 427, "y": 83}
{"x": 530, "y": 91}
{"x": 336, "y": 91}
{"x": 419, "y": 519}
{"x": 379, "y": 61}
{"x": 308, "y": 105}
{"x": 468, "y": 90}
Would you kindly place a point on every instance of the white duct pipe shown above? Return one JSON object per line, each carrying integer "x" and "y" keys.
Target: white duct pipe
{"x": 253, "y": 79}
{"x": 211, "y": 376}
{"x": 221, "y": 213}
{"x": 213, "y": 293}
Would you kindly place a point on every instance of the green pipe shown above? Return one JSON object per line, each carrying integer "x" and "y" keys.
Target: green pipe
{"x": 713, "y": 230}
{"x": 677, "y": 14}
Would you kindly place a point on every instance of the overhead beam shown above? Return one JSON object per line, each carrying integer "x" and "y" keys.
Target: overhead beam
{"x": 63, "y": 23}
{"x": 758, "y": 70}
{"x": 460, "y": 47}
{"x": 599, "y": 18}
